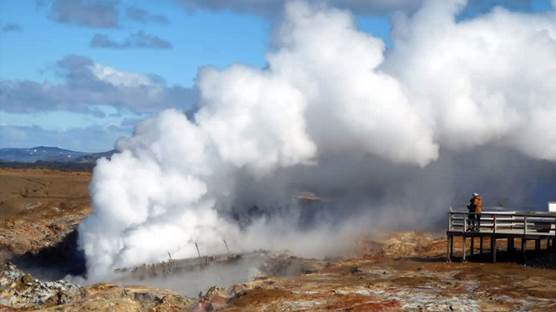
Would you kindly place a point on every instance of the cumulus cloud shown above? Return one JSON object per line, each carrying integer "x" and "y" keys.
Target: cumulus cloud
{"x": 388, "y": 139}
{"x": 104, "y": 41}
{"x": 87, "y": 13}
{"x": 143, "y": 16}
{"x": 11, "y": 27}
{"x": 138, "y": 40}
{"x": 272, "y": 7}
{"x": 86, "y": 84}
{"x": 361, "y": 7}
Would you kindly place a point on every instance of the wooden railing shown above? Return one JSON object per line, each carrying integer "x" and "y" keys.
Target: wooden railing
{"x": 504, "y": 222}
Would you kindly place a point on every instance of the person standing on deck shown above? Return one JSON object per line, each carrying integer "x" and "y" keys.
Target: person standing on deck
{"x": 475, "y": 206}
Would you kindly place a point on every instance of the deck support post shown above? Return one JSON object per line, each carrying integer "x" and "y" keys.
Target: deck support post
{"x": 493, "y": 248}
{"x": 463, "y": 247}
{"x": 472, "y": 249}
{"x": 450, "y": 247}
{"x": 523, "y": 249}
{"x": 481, "y": 245}
{"x": 537, "y": 245}
{"x": 511, "y": 245}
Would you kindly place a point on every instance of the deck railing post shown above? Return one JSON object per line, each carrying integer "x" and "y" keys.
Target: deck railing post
{"x": 554, "y": 227}
{"x": 465, "y": 222}
{"x": 554, "y": 238}
{"x": 525, "y": 225}
{"x": 493, "y": 239}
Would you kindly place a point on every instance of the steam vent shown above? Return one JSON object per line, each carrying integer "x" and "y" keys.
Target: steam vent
{"x": 280, "y": 155}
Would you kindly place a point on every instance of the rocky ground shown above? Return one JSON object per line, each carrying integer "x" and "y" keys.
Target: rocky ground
{"x": 376, "y": 284}
{"x": 406, "y": 271}
{"x": 400, "y": 275}
{"x": 20, "y": 291}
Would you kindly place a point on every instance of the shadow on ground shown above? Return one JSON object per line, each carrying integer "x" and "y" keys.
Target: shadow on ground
{"x": 54, "y": 262}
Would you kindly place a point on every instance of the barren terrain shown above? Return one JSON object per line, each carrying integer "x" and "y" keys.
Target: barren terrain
{"x": 407, "y": 271}
{"x": 39, "y": 207}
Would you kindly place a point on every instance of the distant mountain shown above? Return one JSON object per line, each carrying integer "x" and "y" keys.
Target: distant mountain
{"x": 49, "y": 154}
{"x": 92, "y": 157}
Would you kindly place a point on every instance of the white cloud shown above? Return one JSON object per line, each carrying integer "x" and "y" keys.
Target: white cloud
{"x": 85, "y": 85}
{"x": 273, "y": 7}
{"x": 120, "y": 78}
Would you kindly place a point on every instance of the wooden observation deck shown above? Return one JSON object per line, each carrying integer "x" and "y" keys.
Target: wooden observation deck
{"x": 502, "y": 225}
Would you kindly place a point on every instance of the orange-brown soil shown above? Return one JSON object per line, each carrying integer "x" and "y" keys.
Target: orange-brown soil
{"x": 402, "y": 276}
{"x": 400, "y": 272}
{"x": 39, "y": 207}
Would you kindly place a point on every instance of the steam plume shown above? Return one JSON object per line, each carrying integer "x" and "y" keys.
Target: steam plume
{"x": 380, "y": 136}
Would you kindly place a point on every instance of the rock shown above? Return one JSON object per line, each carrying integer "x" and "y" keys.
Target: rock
{"x": 286, "y": 265}
{"x": 26, "y": 279}
{"x": 21, "y": 290}
{"x": 409, "y": 244}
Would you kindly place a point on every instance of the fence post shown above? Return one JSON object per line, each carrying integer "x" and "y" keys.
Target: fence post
{"x": 226, "y": 245}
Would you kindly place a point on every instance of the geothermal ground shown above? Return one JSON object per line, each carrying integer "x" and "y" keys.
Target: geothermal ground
{"x": 407, "y": 271}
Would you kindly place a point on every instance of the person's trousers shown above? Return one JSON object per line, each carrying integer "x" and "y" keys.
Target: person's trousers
{"x": 475, "y": 221}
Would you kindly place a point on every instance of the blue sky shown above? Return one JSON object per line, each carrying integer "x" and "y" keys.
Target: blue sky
{"x": 197, "y": 38}
{"x": 50, "y": 95}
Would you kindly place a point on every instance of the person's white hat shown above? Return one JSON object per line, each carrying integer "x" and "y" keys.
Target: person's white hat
{"x": 475, "y": 194}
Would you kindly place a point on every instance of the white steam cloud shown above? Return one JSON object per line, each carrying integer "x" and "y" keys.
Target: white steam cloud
{"x": 332, "y": 113}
